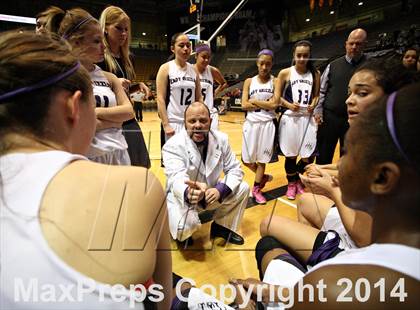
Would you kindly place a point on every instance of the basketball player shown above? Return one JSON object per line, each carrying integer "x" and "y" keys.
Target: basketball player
{"x": 177, "y": 86}
{"x": 352, "y": 228}
{"x": 320, "y": 209}
{"x": 113, "y": 107}
{"x": 258, "y": 129}
{"x": 48, "y": 21}
{"x": 382, "y": 181}
{"x": 209, "y": 75}
{"x": 298, "y": 89}
{"x": 50, "y": 230}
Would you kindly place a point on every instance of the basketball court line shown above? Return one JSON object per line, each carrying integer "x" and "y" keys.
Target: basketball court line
{"x": 287, "y": 202}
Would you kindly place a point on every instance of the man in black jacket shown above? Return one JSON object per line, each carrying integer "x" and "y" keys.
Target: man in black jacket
{"x": 331, "y": 110}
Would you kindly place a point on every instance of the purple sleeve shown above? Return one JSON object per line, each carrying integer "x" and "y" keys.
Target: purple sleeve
{"x": 224, "y": 190}
{"x": 186, "y": 195}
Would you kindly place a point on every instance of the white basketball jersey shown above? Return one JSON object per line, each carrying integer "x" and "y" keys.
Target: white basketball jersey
{"x": 398, "y": 257}
{"x": 181, "y": 90}
{"x": 263, "y": 92}
{"x": 206, "y": 82}
{"x": 299, "y": 90}
{"x": 110, "y": 139}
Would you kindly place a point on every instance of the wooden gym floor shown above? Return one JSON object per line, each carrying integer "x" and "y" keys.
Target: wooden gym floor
{"x": 215, "y": 264}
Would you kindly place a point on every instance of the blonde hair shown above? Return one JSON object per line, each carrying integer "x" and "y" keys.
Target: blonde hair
{"x": 74, "y": 26}
{"x": 109, "y": 16}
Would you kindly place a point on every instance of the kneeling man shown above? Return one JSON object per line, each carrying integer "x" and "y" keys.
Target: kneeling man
{"x": 194, "y": 160}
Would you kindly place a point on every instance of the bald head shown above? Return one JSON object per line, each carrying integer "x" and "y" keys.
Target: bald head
{"x": 356, "y": 43}
{"x": 197, "y": 121}
{"x": 196, "y": 104}
{"x": 358, "y": 33}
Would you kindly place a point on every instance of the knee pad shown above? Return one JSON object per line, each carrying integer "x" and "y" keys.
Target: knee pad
{"x": 264, "y": 245}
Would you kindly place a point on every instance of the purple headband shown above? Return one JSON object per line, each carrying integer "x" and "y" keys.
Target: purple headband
{"x": 202, "y": 48}
{"x": 67, "y": 34}
{"x": 266, "y": 51}
{"x": 41, "y": 84}
{"x": 390, "y": 122}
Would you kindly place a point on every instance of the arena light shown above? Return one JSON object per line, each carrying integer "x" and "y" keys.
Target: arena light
{"x": 360, "y": 3}
{"x": 17, "y": 19}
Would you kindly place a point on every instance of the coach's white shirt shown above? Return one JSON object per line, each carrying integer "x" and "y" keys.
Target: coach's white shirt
{"x": 183, "y": 162}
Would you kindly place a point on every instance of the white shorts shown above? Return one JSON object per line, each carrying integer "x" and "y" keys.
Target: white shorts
{"x": 257, "y": 141}
{"x": 281, "y": 273}
{"x": 214, "y": 115}
{"x": 297, "y": 135}
{"x": 333, "y": 222}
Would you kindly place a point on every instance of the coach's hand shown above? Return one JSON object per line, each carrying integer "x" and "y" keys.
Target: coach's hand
{"x": 318, "y": 119}
{"x": 196, "y": 191}
{"x": 212, "y": 195}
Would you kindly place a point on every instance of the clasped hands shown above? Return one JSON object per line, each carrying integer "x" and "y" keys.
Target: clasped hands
{"x": 319, "y": 181}
{"x": 198, "y": 191}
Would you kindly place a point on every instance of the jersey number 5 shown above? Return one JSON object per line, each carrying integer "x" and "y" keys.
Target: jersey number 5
{"x": 203, "y": 93}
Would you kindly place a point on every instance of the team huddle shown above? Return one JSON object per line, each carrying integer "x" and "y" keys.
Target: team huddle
{"x": 70, "y": 125}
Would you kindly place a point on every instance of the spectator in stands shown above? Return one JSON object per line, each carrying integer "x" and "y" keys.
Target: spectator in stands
{"x": 331, "y": 110}
{"x": 410, "y": 57}
{"x": 116, "y": 26}
{"x": 276, "y": 41}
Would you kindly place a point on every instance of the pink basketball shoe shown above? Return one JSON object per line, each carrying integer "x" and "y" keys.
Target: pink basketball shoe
{"x": 258, "y": 196}
{"x": 291, "y": 191}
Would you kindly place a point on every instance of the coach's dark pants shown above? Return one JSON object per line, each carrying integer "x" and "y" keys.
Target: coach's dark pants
{"x": 332, "y": 129}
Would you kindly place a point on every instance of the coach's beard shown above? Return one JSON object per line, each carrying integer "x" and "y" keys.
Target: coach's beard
{"x": 204, "y": 133}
